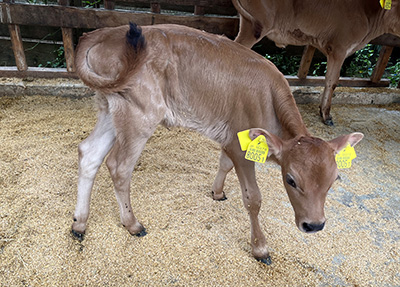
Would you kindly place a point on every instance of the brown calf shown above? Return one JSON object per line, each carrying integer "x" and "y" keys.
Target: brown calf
{"x": 336, "y": 28}
{"x": 179, "y": 76}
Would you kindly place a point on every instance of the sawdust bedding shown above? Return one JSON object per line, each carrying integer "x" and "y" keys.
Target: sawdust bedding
{"x": 192, "y": 240}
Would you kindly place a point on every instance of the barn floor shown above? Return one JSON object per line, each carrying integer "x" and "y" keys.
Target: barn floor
{"x": 192, "y": 240}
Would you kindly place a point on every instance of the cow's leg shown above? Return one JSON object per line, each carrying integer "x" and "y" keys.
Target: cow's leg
{"x": 252, "y": 202}
{"x": 134, "y": 125}
{"x": 334, "y": 64}
{"x": 246, "y": 33}
{"x": 225, "y": 165}
{"x": 91, "y": 154}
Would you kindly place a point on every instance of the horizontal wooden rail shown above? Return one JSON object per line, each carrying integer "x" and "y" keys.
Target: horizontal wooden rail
{"x": 35, "y": 72}
{"x": 343, "y": 82}
{"x": 74, "y": 17}
{"x": 206, "y": 3}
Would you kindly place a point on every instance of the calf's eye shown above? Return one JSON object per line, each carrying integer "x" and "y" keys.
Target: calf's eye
{"x": 290, "y": 181}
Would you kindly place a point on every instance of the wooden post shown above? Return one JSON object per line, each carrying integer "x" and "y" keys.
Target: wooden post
{"x": 17, "y": 45}
{"x": 380, "y": 67}
{"x": 305, "y": 62}
{"x": 109, "y": 4}
{"x": 199, "y": 10}
{"x": 68, "y": 41}
{"x": 155, "y": 7}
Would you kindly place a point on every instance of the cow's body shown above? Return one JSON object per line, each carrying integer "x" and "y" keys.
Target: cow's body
{"x": 337, "y": 28}
{"x": 178, "y": 76}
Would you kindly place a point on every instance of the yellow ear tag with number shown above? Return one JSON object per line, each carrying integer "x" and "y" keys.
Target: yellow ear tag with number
{"x": 345, "y": 156}
{"x": 257, "y": 150}
{"x": 386, "y": 4}
{"x": 244, "y": 139}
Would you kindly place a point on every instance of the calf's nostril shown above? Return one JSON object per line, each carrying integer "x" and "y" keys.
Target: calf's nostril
{"x": 312, "y": 227}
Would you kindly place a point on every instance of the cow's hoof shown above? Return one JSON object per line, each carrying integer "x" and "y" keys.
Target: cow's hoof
{"x": 142, "y": 233}
{"x": 266, "y": 261}
{"x": 78, "y": 235}
{"x": 219, "y": 198}
{"x": 329, "y": 122}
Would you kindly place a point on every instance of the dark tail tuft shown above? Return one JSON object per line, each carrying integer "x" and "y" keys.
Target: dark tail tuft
{"x": 134, "y": 37}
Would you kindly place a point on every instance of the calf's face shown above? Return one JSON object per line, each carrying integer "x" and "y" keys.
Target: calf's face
{"x": 308, "y": 171}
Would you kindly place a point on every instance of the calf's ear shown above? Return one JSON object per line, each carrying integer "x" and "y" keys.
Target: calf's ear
{"x": 341, "y": 142}
{"x": 275, "y": 144}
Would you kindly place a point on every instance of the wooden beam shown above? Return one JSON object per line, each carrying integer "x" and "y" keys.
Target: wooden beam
{"x": 380, "y": 67}
{"x": 343, "y": 82}
{"x": 34, "y": 72}
{"x": 305, "y": 62}
{"x": 13, "y": 72}
{"x": 206, "y": 3}
{"x": 74, "y": 17}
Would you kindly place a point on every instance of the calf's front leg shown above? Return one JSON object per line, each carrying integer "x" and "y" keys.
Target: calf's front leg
{"x": 252, "y": 202}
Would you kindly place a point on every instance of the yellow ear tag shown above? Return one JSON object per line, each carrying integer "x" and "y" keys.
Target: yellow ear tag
{"x": 257, "y": 150}
{"x": 244, "y": 139}
{"x": 345, "y": 156}
{"x": 386, "y": 4}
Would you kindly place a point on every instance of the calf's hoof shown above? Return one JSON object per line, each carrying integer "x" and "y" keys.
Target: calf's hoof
{"x": 142, "y": 233}
{"x": 266, "y": 261}
{"x": 78, "y": 235}
{"x": 326, "y": 118}
{"x": 219, "y": 197}
{"x": 329, "y": 122}
{"x": 136, "y": 229}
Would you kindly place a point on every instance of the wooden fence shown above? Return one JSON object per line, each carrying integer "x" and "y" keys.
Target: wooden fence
{"x": 215, "y": 16}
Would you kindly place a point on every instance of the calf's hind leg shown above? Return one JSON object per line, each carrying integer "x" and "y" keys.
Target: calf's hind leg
{"x": 91, "y": 155}
{"x": 225, "y": 166}
{"x": 132, "y": 134}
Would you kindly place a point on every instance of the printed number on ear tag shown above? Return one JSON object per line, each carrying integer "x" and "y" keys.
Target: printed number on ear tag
{"x": 345, "y": 156}
{"x": 257, "y": 150}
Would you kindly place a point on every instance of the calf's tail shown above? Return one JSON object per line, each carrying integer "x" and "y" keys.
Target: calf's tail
{"x": 106, "y": 58}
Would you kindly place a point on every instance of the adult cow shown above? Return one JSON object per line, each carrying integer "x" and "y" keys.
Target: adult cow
{"x": 337, "y": 28}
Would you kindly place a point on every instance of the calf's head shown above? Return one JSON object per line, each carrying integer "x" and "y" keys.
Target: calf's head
{"x": 308, "y": 171}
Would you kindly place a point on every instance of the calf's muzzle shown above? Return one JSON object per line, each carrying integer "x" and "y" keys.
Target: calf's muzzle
{"x": 312, "y": 227}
